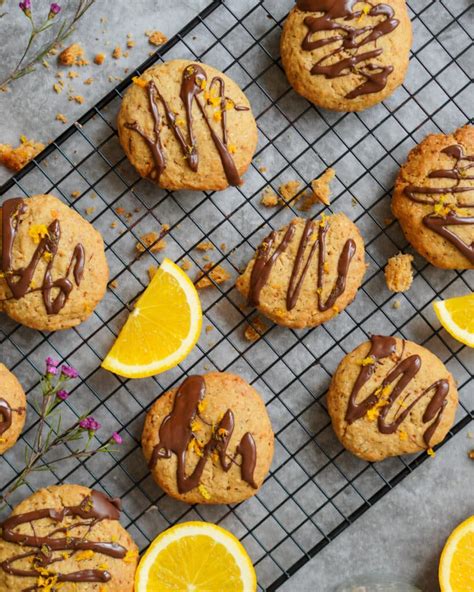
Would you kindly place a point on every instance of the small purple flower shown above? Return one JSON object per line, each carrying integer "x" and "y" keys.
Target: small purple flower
{"x": 117, "y": 438}
{"x": 69, "y": 371}
{"x": 25, "y": 6}
{"x": 90, "y": 424}
{"x": 54, "y": 9}
{"x": 62, "y": 394}
{"x": 51, "y": 366}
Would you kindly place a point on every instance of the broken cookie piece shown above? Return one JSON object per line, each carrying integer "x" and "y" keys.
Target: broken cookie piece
{"x": 399, "y": 272}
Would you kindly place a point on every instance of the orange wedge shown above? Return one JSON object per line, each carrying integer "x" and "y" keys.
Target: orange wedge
{"x": 162, "y": 329}
{"x": 195, "y": 557}
{"x": 457, "y": 317}
{"x": 456, "y": 572}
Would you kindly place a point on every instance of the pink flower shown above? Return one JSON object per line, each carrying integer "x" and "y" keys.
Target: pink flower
{"x": 69, "y": 371}
{"x": 117, "y": 438}
{"x": 90, "y": 424}
{"x": 51, "y": 366}
{"x": 54, "y": 9}
{"x": 62, "y": 394}
{"x": 26, "y": 7}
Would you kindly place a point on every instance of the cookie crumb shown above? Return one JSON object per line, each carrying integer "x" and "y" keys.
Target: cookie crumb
{"x": 289, "y": 190}
{"x": 223, "y": 247}
{"x": 471, "y": 454}
{"x": 262, "y": 169}
{"x": 99, "y": 59}
{"x": 77, "y": 98}
{"x": 205, "y": 246}
{"x": 217, "y": 275}
{"x": 58, "y": 87}
{"x": 72, "y": 74}
{"x": 90, "y": 211}
{"x": 16, "y": 158}
{"x": 152, "y": 271}
{"x": 254, "y": 331}
{"x": 399, "y": 272}
{"x": 72, "y": 55}
{"x": 61, "y": 117}
{"x": 75, "y": 194}
{"x": 396, "y": 304}
{"x": 185, "y": 265}
{"x": 130, "y": 43}
{"x": 387, "y": 221}
{"x": 152, "y": 242}
{"x": 269, "y": 198}
{"x": 113, "y": 224}
{"x": 113, "y": 284}
{"x": 320, "y": 191}
{"x": 88, "y": 80}
{"x": 117, "y": 52}
{"x": 156, "y": 37}
{"x": 209, "y": 328}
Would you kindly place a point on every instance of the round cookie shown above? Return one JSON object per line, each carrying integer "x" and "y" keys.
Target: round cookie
{"x": 210, "y": 441}
{"x": 307, "y": 272}
{"x": 346, "y": 55}
{"x": 434, "y": 199}
{"x": 67, "y": 535}
{"x": 12, "y": 409}
{"x": 185, "y": 125}
{"x": 53, "y": 267}
{"x": 389, "y": 397}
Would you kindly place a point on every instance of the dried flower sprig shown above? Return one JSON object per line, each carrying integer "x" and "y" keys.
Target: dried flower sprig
{"x": 27, "y": 64}
{"x": 50, "y": 434}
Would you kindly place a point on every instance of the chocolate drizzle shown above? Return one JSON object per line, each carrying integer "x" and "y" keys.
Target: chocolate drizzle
{"x": 6, "y": 413}
{"x": 463, "y": 163}
{"x": 397, "y": 379}
{"x": 55, "y": 292}
{"x": 264, "y": 263}
{"x": 176, "y": 434}
{"x": 90, "y": 511}
{"x": 193, "y": 83}
{"x": 351, "y": 40}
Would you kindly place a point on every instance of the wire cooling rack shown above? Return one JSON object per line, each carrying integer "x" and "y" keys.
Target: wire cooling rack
{"x": 315, "y": 488}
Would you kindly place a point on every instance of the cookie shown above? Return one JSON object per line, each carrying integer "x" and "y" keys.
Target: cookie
{"x": 307, "y": 272}
{"x": 346, "y": 55}
{"x": 185, "y": 125}
{"x": 12, "y": 409}
{"x": 433, "y": 199}
{"x": 53, "y": 270}
{"x": 210, "y": 441}
{"x": 66, "y": 537}
{"x": 390, "y": 397}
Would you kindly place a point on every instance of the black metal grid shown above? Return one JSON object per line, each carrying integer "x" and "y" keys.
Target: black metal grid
{"x": 315, "y": 489}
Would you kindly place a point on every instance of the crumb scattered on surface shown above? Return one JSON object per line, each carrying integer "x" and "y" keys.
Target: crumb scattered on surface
{"x": 470, "y": 435}
{"x": 117, "y": 52}
{"x": 72, "y": 55}
{"x": 396, "y": 304}
{"x": 387, "y": 221}
{"x": 77, "y": 98}
{"x": 471, "y": 454}
{"x": 61, "y": 117}
{"x": 205, "y": 246}
{"x": 223, "y": 247}
{"x": 320, "y": 191}
{"x": 72, "y": 74}
{"x": 399, "y": 272}
{"x": 209, "y": 328}
{"x": 113, "y": 224}
{"x": 262, "y": 169}
{"x": 217, "y": 275}
{"x": 75, "y": 194}
{"x": 113, "y": 284}
{"x": 151, "y": 241}
{"x": 88, "y": 80}
{"x": 354, "y": 202}
{"x": 152, "y": 271}
{"x": 90, "y": 211}
{"x": 254, "y": 331}
{"x": 16, "y": 158}
{"x": 58, "y": 87}
{"x": 130, "y": 43}
{"x": 185, "y": 265}
{"x": 99, "y": 59}
{"x": 156, "y": 37}
{"x": 289, "y": 190}
{"x": 269, "y": 198}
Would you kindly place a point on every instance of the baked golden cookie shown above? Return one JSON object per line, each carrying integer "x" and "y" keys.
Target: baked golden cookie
{"x": 185, "y": 125}
{"x": 389, "y": 397}
{"x": 210, "y": 441}
{"x": 53, "y": 267}
{"x": 434, "y": 199}
{"x": 12, "y": 409}
{"x": 346, "y": 55}
{"x": 67, "y": 538}
{"x": 307, "y": 272}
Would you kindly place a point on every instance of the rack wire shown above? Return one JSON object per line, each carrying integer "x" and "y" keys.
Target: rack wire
{"x": 315, "y": 488}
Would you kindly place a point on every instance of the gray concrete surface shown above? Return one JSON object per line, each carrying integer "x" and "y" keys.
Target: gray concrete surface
{"x": 403, "y": 534}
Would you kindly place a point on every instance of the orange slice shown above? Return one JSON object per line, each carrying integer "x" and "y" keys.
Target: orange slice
{"x": 456, "y": 572}
{"x": 457, "y": 317}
